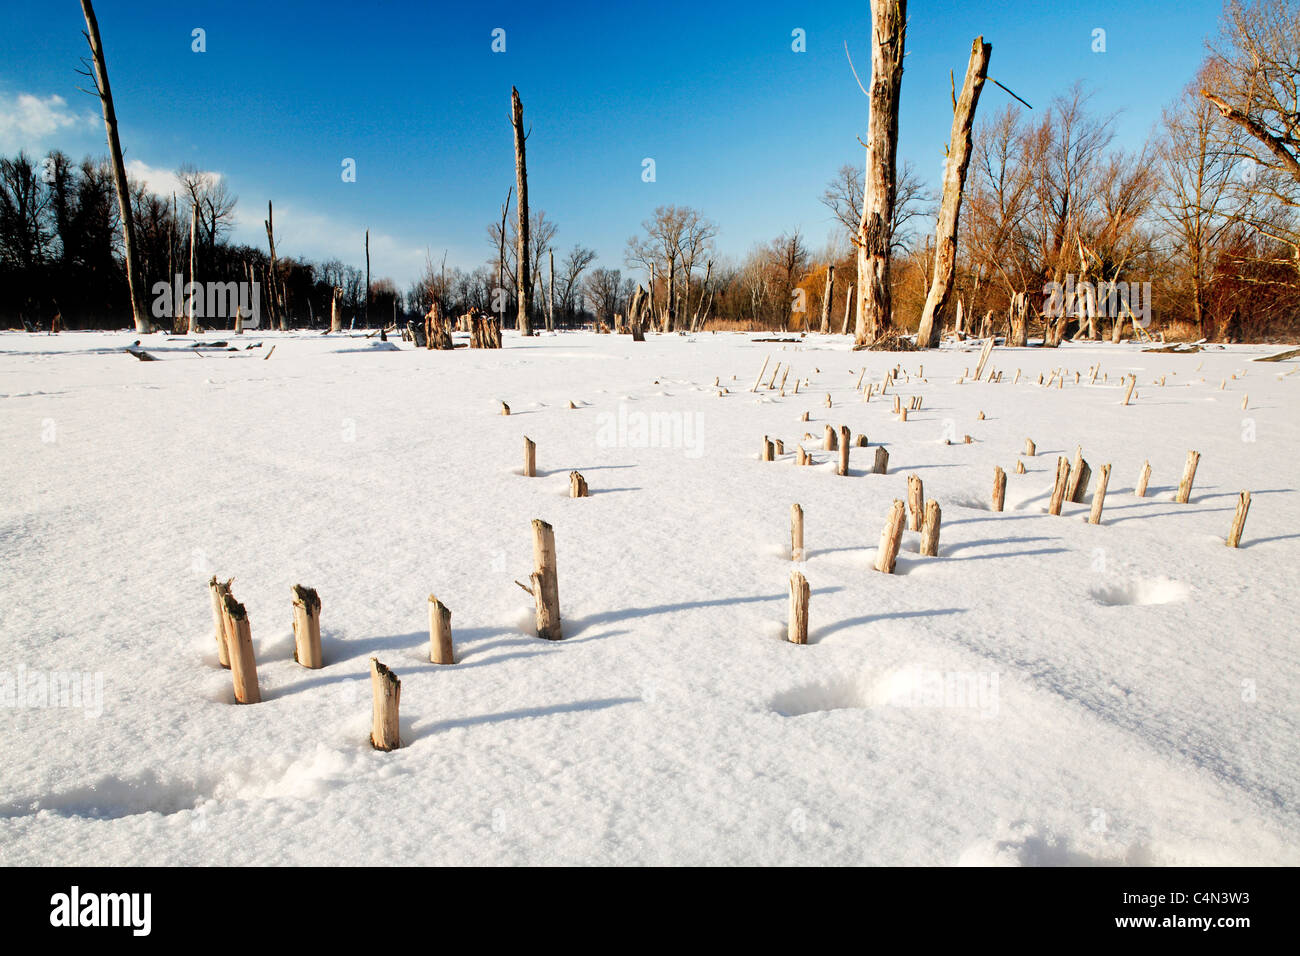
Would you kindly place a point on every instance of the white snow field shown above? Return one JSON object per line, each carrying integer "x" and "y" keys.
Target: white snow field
{"x": 1045, "y": 691}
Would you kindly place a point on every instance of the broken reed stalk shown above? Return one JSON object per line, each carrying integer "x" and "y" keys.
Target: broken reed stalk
{"x": 243, "y": 668}
{"x": 545, "y": 581}
{"x": 999, "y": 488}
{"x": 930, "y": 529}
{"x": 915, "y": 500}
{"x": 386, "y": 691}
{"x": 1239, "y": 520}
{"x": 890, "y": 538}
{"x": 440, "y": 647}
{"x": 218, "y": 591}
{"x": 1058, "y": 489}
{"x": 530, "y": 458}
{"x": 760, "y": 374}
{"x": 881, "y": 464}
{"x": 306, "y": 627}
{"x": 1141, "y": 489}
{"x": 1099, "y": 496}
{"x": 1132, "y": 380}
{"x": 1189, "y": 475}
{"x": 796, "y": 532}
{"x": 844, "y": 451}
{"x": 577, "y": 485}
{"x": 799, "y": 594}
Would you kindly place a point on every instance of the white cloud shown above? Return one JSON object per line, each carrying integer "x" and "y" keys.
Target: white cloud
{"x": 28, "y": 121}
{"x": 163, "y": 182}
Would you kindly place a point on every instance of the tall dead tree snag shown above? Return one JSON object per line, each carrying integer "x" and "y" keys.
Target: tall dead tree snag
{"x": 524, "y": 282}
{"x": 888, "y": 29}
{"x": 826, "y": 300}
{"x": 954, "y": 181}
{"x": 272, "y": 300}
{"x": 134, "y": 281}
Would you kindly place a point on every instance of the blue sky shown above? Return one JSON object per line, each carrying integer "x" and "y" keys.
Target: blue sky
{"x": 738, "y": 124}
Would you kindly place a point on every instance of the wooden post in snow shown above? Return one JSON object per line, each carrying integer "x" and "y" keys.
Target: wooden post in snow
{"x": 545, "y": 581}
{"x": 915, "y": 500}
{"x": 954, "y": 181}
{"x": 218, "y": 591}
{"x": 1239, "y": 520}
{"x": 828, "y": 442}
{"x": 796, "y": 532}
{"x": 930, "y": 529}
{"x": 890, "y": 538}
{"x": 875, "y": 305}
{"x": 386, "y": 694}
{"x": 440, "y": 647}
{"x": 1132, "y": 381}
{"x": 306, "y": 627}
{"x": 577, "y": 485}
{"x": 844, "y": 450}
{"x": 799, "y": 594}
{"x": 984, "y": 357}
{"x": 759, "y": 380}
{"x": 243, "y": 668}
{"x": 1030, "y": 448}
{"x": 1143, "y": 478}
{"x": 1099, "y": 496}
{"x": 999, "y": 488}
{"x": 1189, "y": 475}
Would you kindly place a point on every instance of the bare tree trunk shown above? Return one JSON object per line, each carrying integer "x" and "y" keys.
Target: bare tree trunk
{"x": 501, "y": 257}
{"x": 670, "y": 313}
{"x": 848, "y": 310}
{"x": 523, "y": 283}
{"x": 954, "y": 181}
{"x": 366, "y": 321}
{"x": 134, "y": 281}
{"x": 550, "y": 296}
{"x": 888, "y": 30}
{"x": 826, "y": 300}
{"x": 194, "y": 217}
{"x": 270, "y": 241}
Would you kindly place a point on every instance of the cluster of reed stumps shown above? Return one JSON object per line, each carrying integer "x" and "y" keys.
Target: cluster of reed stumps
{"x": 435, "y": 332}
{"x": 923, "y": 515}
{"x": 235, "y": 639}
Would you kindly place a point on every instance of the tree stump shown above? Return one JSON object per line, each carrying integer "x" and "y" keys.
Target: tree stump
{"x": 440, "y": 647}
{"x": 796, "y": 533}
{"x": 1030, "y": 448}
{"x": 999, "y": 488}
{"x": 890, "y": 539}
{"x": 306, "y": 627}
{"x": 1189, "y": 475}
{"x": 881, "y": 464}
{"x": 828, "y": 442}
{"x": 1239, "y": 520}
{"x": 1099, "y": 496}
{"x": 1058, "y": 489}
{"x": 799, "y": 594}
{"x": 243, "y": 668}
{"x": 386, "y": 691}
{"x": 545, "y": 581}
{"x": 844, "y": 451}
{"x": 930, "y": 529}
{"x": 218, "y": 591}
{"x": 915, "y": 500}
{"x": 530, "y": 458}
{"x": 1143, "y": 478}
{"x": 577, "y": 485}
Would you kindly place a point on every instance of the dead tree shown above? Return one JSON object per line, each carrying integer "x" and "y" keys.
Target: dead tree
{"x": 366, "y": 313}
{"x": 954, "y": 181}
{"x": 888, "y": 30}
{"x": 272, "y": 311}
{"x": 523, "y": 282}
{"x": 134, "y": 281}
{"x": 826, "y": 300}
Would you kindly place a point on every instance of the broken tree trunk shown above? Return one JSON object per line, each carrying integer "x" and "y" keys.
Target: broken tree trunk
{"x": 524, "y": 283}
{"x": 874, "y": 238}
{"x": 881, "y": 464}
{"x": 545, "y": 581}
{"x": 134, "y": 280}
{"x": 954, "y": 181}
{"x": 1019, "y": 321}
{"x": 440, "y": 648}
{"x": 999, "y": 488}
{"x": 1141, "y": 489}
{"x": 386, "y": 693}
{"x": 1099, "y": 496}
{"x": 530, "y": 458}
{"x": 1058, "y": 489}
{"x": 218, "y": 591}
{"x": 915, "y": 500}
{"x": 826, "y": 300}
{"x": 577, "y": 485}
{"x": 796, "y": 533}
{"x": 848, "y": 310}
{"x": 306, "y": 627}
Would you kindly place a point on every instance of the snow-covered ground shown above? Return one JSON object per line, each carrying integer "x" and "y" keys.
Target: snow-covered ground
{"x": 1116, "y": 693}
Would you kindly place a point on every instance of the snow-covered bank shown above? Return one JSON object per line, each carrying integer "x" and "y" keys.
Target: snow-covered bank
{"x": 1043, "y": 691}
